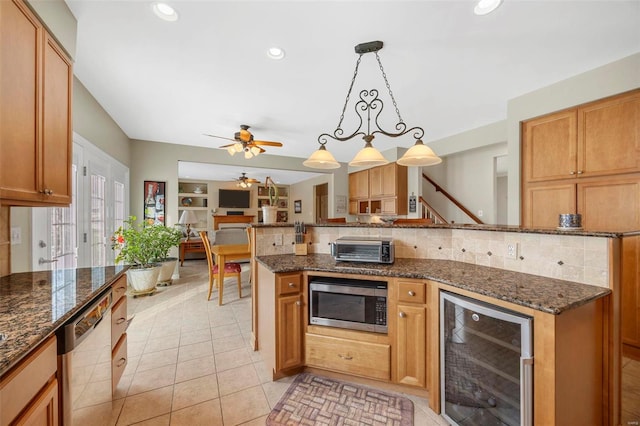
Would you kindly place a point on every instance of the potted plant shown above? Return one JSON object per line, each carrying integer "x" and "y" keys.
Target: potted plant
{"x": 137, "y": 247}
{"x": 166, "y": 238}
{"x": 270, "y": 212}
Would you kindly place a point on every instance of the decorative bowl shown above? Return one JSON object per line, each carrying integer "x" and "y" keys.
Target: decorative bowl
{"x": 186, "y": 201}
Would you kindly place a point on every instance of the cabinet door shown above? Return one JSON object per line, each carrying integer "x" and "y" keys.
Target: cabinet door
{"x": 20, "y": 47}
{"x": 359, "y": 184}
{"x": 43, "y": 410}
{"x": 376, "y": 182}
{"x": 411, "y": 348}
{"x": 611, "y": 205}
{"x": 609, "y": 136}
{"x": 389, "y": 206}
{"x": 389, "y": 180}
{"x": 56, "y": 129}
{"x": 549, "y": 147}
{"x": 542, "y": 204}
{"x": 289, "y": 338}
{"x": 630, "y": 300}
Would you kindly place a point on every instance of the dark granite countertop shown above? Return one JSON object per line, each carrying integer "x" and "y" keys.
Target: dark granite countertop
{"x": 548, "y": 295}
{"x": 475, "y": 227}
{"x": 34, "y": 304}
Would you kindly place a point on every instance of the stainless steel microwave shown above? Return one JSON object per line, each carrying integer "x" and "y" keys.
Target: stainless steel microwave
{"x": 363, "y": 249}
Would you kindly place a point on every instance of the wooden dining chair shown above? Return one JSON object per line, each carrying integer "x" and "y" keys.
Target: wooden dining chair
{"x": 231, "y": 268}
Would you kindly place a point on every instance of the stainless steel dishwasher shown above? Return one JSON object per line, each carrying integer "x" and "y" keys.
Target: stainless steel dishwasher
{"x": 84, "y": 360}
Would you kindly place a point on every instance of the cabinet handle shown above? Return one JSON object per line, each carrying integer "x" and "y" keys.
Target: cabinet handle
{"x": 572, "y": 172}
{"x": 402, "y": 314}
{"x": 121, "y": 362}
{"x": 411, "y": 293}
{"x": 346, "y": 357}
{"x": 291, "y": 285}
{"x": 580, "y": 172}
{"x": 298, "y": 303}
{"x": 120, "y": 320}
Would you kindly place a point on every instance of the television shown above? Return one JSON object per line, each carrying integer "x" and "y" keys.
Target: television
{"x": 234, "y": 198}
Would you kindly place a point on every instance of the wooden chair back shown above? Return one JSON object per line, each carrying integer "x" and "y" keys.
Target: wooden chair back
{"x": 422, "y": 220}
{"x": 207, "y": 248}
{"x": 336, "y": 220}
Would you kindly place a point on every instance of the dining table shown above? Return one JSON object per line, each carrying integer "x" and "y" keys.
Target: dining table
{"x": 224, "y": 253}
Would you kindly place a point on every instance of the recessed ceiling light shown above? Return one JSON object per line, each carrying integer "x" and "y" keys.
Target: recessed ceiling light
{"x": 165, "y": 12}
{"x": 275, "y": 53}
{"x": 486, "y": 6}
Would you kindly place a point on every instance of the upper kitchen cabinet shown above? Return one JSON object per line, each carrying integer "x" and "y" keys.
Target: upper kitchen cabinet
{"x": 596, "y": 139}
{"x": 379, "y": 190}
{"x": 35, "y": 112}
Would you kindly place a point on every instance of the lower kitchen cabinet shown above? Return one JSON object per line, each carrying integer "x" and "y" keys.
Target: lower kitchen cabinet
{"x": 411, "y": 333}
{"x": 118, "y": 330}
{"x": 29, "y": 392}
{"x": 289, "y": 337}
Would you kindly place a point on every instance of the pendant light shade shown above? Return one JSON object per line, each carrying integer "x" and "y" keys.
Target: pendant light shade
{"x": 321, "y": 159}
{"x": 419, "y": 155}
{"x": 368, "y": 156}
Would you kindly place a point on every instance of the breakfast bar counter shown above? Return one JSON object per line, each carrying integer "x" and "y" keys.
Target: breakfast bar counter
{"x": 544, "y": 294}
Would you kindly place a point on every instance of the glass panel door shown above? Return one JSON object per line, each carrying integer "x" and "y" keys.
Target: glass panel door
{"x": 486, "y": 363}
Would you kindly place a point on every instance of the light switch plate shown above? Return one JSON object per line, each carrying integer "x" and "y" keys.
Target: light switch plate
{"x": 16, "y": 235}
{"x": 278, "y": 239}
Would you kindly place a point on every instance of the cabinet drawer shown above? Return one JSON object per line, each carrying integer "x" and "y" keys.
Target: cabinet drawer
{"x": 411, "y": 292}
{"x": 359, "y": 358}
{"x": 119, "y": 361}
{"x": 288, "y": 284}
{"x": 118, "y": 321}
{"x": 119, "y": 288}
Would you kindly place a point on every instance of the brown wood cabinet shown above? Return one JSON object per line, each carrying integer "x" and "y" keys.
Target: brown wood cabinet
{"x": 29, "y": 392}
{"x": 35, "y": 111}
{"x": 379, "y": 190}
{"x": 630, "y": 299}
{"x": 411, "y": 335}
{"x": 596, "y": 139}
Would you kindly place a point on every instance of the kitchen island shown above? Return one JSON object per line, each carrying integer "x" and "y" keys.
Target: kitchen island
{"x": 566, "y": 281}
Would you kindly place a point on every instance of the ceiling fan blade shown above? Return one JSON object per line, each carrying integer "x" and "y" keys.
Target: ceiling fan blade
{"x": 253, "y": 180}
{"x": 219, "y": 137}
{"x": 226, "y": 146}
{"x": 267, "y": 143}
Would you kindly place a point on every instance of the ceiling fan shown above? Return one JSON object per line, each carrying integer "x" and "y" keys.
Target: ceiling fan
{"x": 245, "y": 182}
{"x": 244, "y": 141}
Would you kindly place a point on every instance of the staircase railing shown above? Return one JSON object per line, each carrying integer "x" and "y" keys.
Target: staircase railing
{"x": 452, "y": 199}
{"x": 431, "y": 213}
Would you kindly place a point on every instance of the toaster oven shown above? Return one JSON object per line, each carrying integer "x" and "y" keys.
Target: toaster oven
{"x": 363, "y": 249}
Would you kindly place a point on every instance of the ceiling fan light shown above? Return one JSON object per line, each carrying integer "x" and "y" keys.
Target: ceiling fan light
{"x": 368, "y": 156}
{"x": 231, "y": 150}
{"x": 255, "y": 150}
{"x": 419, "y": 155}
{"x": 247, "y": 154}
{"x": 237, "y": 146}
{"x": 248, "y": 184}
{"x": 321, "y": 159}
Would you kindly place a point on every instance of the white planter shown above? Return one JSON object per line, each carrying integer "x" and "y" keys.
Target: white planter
{"x": 166, "y": 271}
{"x": 269, "y": 214}
{"x": 143, "y": 279}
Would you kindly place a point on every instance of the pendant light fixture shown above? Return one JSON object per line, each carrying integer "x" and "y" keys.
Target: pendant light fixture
{"x": 368, "y": 109}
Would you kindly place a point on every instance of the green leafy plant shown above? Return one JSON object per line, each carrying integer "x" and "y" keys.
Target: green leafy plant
{"x": 135, "y": 243}
{"x": 165, "y": 238}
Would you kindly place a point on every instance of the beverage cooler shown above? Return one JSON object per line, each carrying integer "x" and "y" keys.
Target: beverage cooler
{"x": 486, "y": 366}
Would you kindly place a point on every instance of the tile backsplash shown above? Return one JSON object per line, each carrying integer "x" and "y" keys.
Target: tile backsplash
{"x": 582, "y": 259}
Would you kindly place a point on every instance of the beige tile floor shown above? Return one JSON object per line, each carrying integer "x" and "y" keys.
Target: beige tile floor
{"x": 630, "y": 392}
{"x": 190, "y": 361}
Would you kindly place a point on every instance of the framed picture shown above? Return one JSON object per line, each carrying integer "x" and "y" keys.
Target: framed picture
{"x": 154, "y": 198}
{"x": 297, "y": 206}
{"x": 341, "y": 203}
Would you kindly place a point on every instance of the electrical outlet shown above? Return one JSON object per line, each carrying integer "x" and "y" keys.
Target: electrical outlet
{"x": 480, "y": 213}
{"x": 278, "y": 239}
{"x": 512, "y": 250}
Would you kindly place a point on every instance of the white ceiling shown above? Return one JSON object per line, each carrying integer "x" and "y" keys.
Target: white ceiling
{"x": 221, "y": 172}
{"x": 449, "y": 70}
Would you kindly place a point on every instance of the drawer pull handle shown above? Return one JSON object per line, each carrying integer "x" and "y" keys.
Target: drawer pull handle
{"x": 412, "y": 293}
{"x": 572, "y": 172}
{"x": 402, "y": 315}
{"x": 120, "y": 320}
{"x": 298, "y": 303}
{"x": 291, "y": 285}
{"x": 580, "y": 172}
{"x": 346, "y": 357}
{"x": 121, "y": 362}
